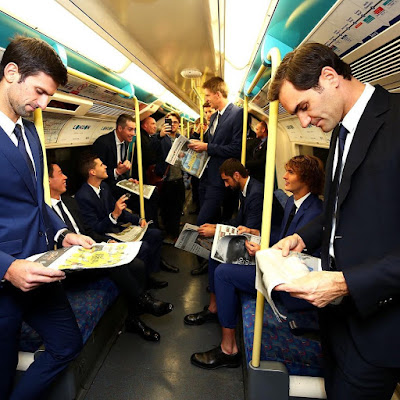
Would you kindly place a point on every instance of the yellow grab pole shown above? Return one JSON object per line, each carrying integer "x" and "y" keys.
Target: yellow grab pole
{"x": 182, "y": 126}
{"x": 139, "y": 157}
{"x": 275, "y": 57}
{"x": 244, "y": 138}
{"x": 38, "y": 121}
{"x": 98, "y": 82}
{"x": 256, "y": 78}
{"x": 188, "y": 129}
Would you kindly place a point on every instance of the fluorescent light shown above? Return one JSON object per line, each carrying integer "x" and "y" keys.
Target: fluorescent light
{"x": 244, "y": 29}
{"x": 53, "y": 20}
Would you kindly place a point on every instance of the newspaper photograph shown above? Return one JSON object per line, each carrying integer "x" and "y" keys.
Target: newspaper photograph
{"x": 229, "y": 247}
{"x": 132, "y": 233}
{"x": 272, "y": 269}
{"x": 100, "y": 255}
{"x": 134, "y": 188}
{"x": 190, "y": 240}
{"x": 188, "y": 160}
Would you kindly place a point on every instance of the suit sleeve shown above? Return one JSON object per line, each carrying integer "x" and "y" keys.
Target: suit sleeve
{"x": 56, "y": 222}
{"x": 128, "y": 217}
{"x": 233, "y": 148}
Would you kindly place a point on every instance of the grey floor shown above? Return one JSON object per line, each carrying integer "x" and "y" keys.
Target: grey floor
{"x": 136, "y": 369}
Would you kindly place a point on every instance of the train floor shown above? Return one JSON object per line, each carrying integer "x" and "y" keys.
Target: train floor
{"x": 136, "y": 369}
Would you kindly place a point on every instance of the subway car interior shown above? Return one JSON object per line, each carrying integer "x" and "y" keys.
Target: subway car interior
{"x": 150, "y": 58}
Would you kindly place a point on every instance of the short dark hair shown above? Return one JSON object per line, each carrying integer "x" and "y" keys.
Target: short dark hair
{"x": 88, "y": 162}
{"x": 207, "y": 105}
{"x": 216, "y": 84}
{"x": 231, "y": 165}
{"x": 310, "y": 170}
{"x": 50, "y": 168}
{"x": 302, "y": 67}
{"x": 121, "y": 121}
{"x": 264, "y": 125}
{"x": 33, "y": 56}
{"x": 173, "y": 114}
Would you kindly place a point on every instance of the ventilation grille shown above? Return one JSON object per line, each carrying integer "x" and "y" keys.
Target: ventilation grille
{"x": 102, "y": 109}
{"x": 281, "y": 111}
{"x": 383, "y": 64}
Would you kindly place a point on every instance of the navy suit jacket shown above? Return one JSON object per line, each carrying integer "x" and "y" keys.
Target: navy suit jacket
{"x": 309, "y": 209}
{"x": 367, "y": 241}
{"x": 225, "y": 143}
{"x": 27, "y": 223}
{"x": 251, "y": 206}
{"x": 96, "y": 211}
{"x": 106, "y": 148}
{"x": 256, "y": 158}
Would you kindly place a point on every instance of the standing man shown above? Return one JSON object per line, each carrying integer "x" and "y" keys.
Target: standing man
{"x": 172, "y": 195}
{"x": 358, "y": 289}
{"x": 257, "y": 154}
{"x": 30, "y": 72}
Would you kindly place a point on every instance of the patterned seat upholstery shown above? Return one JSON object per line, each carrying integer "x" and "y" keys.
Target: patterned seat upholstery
{"x": 89, "y": 302}
{"x": 301, "y": 356}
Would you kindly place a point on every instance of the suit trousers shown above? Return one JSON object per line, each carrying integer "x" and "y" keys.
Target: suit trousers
{"x": 150, "y": 250}
{"x": 211, "y": 199}
{"x": 47, "y": 310}
{"x": 347, "y": 374}
{"x": 230, "y": 279}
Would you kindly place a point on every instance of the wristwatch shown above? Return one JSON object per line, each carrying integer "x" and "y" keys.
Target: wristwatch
{"x": 61, "y": 237}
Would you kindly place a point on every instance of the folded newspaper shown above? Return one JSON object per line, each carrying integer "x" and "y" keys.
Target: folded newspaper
{"x": 132, "y": 233}
{"x": 134, "y": 188}
{"x": 188, "y": 160}
{"x": 272, "y": 269}
{"x": 100, "y": 255}
{"x": 229, "y": 247}
{"x": 190, "y": 240}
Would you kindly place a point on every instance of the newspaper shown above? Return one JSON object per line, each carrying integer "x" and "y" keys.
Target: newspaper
{"x": 188, "y": 160}
{"x": 132, "y": 233}
{"x": 272, "y": 269}
{"x": 229, "y": 247}
{"x": 134, "y": 188}
{"x": 100, "y": 255}
{"x": 190, "y": 240}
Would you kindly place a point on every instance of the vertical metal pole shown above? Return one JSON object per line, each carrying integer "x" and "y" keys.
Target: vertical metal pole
{"x": 275, "y": 57}
{"x": 139, "y": 157}
{"x": 38, "y": 121}
{"x": 244, "y": 138}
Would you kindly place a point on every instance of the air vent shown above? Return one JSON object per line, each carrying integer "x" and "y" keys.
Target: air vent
{"x": 281, "y": 111}
{"x": 382, "y": 66}
{"x": 102, "y": 109}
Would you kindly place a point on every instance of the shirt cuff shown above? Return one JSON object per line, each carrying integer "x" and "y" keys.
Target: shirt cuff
{"x": 115, "y": 173}
{"x": 58, "y": 234}
{"x": 114, "y": 221}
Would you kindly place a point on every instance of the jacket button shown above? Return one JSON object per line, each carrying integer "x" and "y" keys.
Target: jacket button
{"x": 41, "y": 233}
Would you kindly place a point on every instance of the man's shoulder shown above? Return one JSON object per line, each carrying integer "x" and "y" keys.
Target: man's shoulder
{"x": 83, "y": 190}
{"x": 255, "y": 186}
{"x": 104, "y": 138}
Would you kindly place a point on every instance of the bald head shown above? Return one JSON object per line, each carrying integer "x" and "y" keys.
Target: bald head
{"x": 149, "y": 125}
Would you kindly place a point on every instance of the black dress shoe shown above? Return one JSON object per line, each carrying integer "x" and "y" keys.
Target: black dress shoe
{"x": 136, "y": 325}
{"x": 147, "y": 304}
{"x": 201, "y": 317}
{"x": 216, "y": 358}
{"x": 168, "y": 267}
{"x": 156, "y": 284}
{"x": 203, "y": 269}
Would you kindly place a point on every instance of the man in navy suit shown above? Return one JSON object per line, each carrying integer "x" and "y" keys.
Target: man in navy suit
{"x": 234, "y": 176}
{"x": 358, "y": 289}
{"x": 257, "y": 154}
{"x": 304, "y": 178}
{"x": 104, "y": 215}
{"x": 30, "y": 72}
{"x": 224, "y": 141}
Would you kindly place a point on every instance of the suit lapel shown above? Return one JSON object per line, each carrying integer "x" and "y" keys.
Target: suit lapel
{"x": 11, "y": 152}
{"x": 370, "y": 123}
{"x": 222, "y": 118}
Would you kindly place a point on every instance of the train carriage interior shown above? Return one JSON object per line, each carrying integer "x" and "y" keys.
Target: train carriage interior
{"x": 151, "y": 57}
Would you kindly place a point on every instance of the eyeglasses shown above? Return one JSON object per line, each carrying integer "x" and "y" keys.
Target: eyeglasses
{"x": 175, "y": 123}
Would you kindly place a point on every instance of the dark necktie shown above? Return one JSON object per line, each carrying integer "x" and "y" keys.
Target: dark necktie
{"x": 65, "y": 217}
{"x": 290, "y": 219}
{"x": 22, "y": 149}
{"x": 215, "y": 125}
{"x": 123, "y": 152}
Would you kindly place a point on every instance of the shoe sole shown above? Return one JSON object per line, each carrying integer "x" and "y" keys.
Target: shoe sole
{"x": 199, "y": 323}
{"x": 215, "y": 367}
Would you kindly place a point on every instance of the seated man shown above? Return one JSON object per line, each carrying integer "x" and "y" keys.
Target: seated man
{"x": 235, "y": 176}
{"x": 130, "y": 279}
{"x": 304, "y": 178}
{"x": 103, "y": 214}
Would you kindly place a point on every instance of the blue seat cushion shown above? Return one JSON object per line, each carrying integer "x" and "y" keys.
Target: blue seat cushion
{"x": 89, "y": 301}
{"x": 301, "y": 356}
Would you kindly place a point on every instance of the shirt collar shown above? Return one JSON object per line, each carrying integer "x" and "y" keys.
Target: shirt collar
{"x": 54, "y": 202}
{"x": 300, "y": 201}
{"x": 117, "y": 141}
{"x": 244, "y": 191}
{"x": 223, "y": 110}
{"x": 96, "y": 190}
{"x": 8, "y": 125}
{"x": 351, "y": 119}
